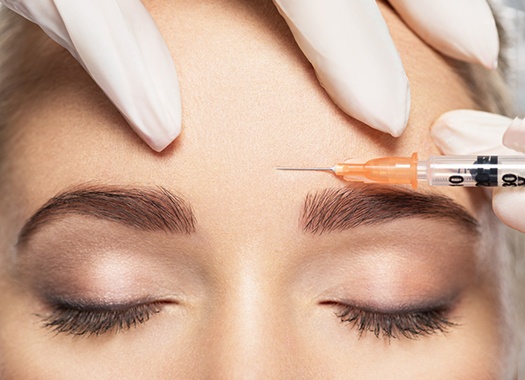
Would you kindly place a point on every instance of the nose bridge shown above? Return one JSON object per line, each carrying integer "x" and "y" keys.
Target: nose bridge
{"x": 246, "y": 333}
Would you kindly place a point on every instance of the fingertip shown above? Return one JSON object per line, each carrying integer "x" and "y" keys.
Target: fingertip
{"x": 495, "y": 64}
{"x": 371, "y": 86}
{"x": 514, "y": 136}
{"x": 399, "y": 128}
{"x": 159, "y": 134}
{"x": 161, "y": 142}
{"x": 507, "y": 204}
{"x": 488, "y": 55}
{"x": 391, "y": 118}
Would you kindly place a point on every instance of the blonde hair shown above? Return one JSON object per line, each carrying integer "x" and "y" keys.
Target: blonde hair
{"x": 27, "y": 58}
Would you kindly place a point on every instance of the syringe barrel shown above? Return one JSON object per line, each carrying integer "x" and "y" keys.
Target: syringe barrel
{"x": 491, "y": 171}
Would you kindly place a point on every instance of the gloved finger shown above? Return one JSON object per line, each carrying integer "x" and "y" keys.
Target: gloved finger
{"x": 508, "y": 204}
{"x": 468, "y": 132}
{"x": 120, "y": 46}
{"x": 514, "y": 136}
{"x": 461, "y": 29}
{"x": 350, "y": 48}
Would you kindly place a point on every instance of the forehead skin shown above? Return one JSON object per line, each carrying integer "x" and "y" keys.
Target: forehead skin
{"x": 250, "y": 103}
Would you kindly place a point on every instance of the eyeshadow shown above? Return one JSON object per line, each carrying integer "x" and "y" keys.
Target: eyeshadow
{"x": 408, "y": 263}
{"x": 100, "y": 261}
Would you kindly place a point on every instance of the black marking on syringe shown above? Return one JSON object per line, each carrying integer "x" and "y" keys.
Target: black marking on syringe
{"x": 512, "y": 180}
{"x": 486, "y": 176}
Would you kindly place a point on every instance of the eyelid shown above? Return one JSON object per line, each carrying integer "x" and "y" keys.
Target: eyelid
{"x": 98, "y": 305}
{"x": 409, "y": 322}
{"x": 95, "y": 318}
{"x": 424, "y": 302}
{"x": 408, "y": 325}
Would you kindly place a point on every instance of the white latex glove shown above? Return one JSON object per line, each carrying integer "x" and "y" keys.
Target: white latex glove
{"x": 347, "y": 42}
{"x": 467, "y": 132}
{"x": 120, "y": 46}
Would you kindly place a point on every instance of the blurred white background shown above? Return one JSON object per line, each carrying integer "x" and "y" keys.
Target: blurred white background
{"x": 513, "y": 13}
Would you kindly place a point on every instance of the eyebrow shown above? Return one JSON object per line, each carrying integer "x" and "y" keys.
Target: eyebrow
{"x": 146, "y": 209}
{"x": 365, "y": 205}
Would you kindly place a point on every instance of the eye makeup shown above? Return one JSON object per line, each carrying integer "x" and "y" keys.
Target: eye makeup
{"x": 405, "y": 280}
{"x": 88, "y": 318}
{"x": 91, "y": 278}
{"x": 395, "y": 324}
{"x": 96, "y": 280}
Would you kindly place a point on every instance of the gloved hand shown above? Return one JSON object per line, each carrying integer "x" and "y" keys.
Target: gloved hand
{"x": 347, "y": 42}
{"x": 468, "y": 132}
{"x": 120, "y": 46}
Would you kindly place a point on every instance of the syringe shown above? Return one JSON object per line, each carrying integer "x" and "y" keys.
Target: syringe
{"x": 506, "y": 171}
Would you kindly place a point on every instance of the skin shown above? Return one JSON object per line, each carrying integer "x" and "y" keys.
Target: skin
{"x": 251, "y": 291}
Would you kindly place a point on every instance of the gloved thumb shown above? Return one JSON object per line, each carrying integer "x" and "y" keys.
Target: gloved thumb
{"x": 468, "y": 132}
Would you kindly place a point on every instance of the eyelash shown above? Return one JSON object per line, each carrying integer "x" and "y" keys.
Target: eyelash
{"x": 411, "y": 325}
{"x": 79, "y": 319}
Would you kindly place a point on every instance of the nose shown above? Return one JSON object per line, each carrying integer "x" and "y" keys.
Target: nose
{"x": 249, "y": 336}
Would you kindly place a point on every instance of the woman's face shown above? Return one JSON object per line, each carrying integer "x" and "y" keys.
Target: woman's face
{"x": 206, "y": 262}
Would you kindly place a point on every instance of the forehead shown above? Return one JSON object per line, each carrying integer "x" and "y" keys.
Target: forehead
{"x": 250, "y": 103}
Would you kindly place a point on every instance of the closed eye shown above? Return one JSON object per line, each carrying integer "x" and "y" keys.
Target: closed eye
{"x": 387, "y": 325}
{"x": 97, "y": 319}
